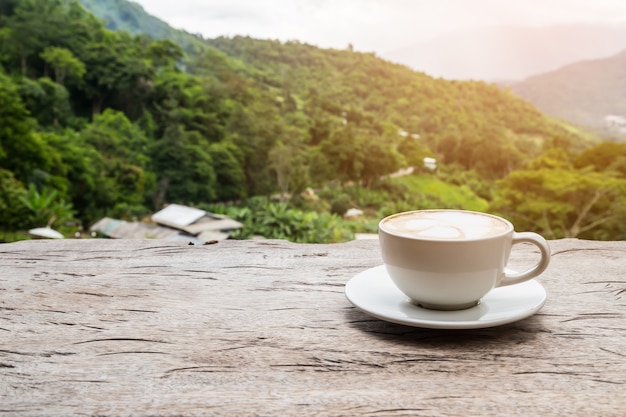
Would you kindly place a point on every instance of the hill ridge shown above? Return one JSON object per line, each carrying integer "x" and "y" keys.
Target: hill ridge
{"x": 583, "y": 93}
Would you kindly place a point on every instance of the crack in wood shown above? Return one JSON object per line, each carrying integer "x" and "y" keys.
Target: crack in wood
{"x": 134, "y": 352}
{"x": 615, "y": 353}
{"x": 91, "y": 381}
{"x": 569, "y": 373}
{"x": 306, "y": 255}
{"x": 77, "y": 274}
{"x": 586, "y": 250}
{"x": 206, "y": 368}
{"x": 41, "y": 354}
{"x": 269, "y": 268}
{"x": 594, "y": 316}
{"x": 396, "y": 410}
{"x": 94, "y": 294}
{"x": 120, "y": 339}
{"x": 608, "y": 382}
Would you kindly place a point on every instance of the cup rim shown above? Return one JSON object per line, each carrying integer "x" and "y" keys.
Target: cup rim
{"x": 510, "y": 227}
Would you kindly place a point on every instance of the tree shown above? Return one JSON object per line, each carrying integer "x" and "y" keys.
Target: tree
{"x": 230, "y": 177}
{"x": 120, "y": 162}
{"x": 13, "y": 212}
{"x": 113, "y": 66}
{"x": 21, "y": 151}
{"x": 7, "y": 7}
{"x": 63, "y": 62}
{"x": 254, "y": 130}
{"x": 414, "y": 151}
{"x": 47, "y": 101}
{"x": 164, "y": 53}
{"x": 379, "y": 159}
{"x": 196, "y": 183}
{"x": 605, "y": 156}
{"x": 560, "y": 202}
{"x": 343, "y": 155}
{"x": 81, "y": 167}
{"x": 188, "y": 101}
{"x": 288, "y": 161}
{"x": 36, "y": 24}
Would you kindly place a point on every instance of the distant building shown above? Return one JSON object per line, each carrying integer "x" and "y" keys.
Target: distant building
{"x": 175, "y": 223}
{"x": 44, "y": 233}
{"x": 353, "y": 212}
{"x": 615, "y": 123}
{"x": 430, "y": 164}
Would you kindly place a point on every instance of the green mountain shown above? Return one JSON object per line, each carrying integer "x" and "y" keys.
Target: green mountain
{"x": 583, "y": 94}
{"x": 131, "y": 17}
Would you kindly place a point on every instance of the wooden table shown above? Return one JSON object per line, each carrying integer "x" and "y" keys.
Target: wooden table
{"x": 151, "y": 328}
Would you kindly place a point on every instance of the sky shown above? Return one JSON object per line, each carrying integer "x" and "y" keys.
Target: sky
{"x": 378, "y": 26}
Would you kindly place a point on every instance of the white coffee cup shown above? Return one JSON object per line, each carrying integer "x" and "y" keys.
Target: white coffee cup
{"x": 449, "y": 259}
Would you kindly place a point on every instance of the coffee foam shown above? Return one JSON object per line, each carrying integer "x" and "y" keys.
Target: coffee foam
{"x": 447, "y": 225}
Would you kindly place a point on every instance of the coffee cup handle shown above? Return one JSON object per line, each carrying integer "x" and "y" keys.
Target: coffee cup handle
{"x": 539, "y": 242}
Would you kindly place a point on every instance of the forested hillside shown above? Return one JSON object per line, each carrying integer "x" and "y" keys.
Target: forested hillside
{"x": 96, "y": 123}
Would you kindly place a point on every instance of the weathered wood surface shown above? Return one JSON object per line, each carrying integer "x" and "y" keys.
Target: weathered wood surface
{"x": 137, "y": 328}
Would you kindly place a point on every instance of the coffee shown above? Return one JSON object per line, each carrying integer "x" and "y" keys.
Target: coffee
{"x": 447, "y": 225}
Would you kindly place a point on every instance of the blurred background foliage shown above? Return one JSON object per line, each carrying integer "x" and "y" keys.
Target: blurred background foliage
{"x": 284, "y": 137}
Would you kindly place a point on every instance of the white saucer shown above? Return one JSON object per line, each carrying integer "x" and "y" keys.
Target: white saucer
{"x": 374, "y": 293}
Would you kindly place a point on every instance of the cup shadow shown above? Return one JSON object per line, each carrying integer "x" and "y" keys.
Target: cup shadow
{"x": 523, "y": 331}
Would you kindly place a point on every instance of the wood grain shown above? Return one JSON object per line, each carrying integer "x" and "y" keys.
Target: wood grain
{"x": 148, "y": 328}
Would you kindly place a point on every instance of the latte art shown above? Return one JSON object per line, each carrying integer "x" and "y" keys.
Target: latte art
{"x": 448, "y": 225}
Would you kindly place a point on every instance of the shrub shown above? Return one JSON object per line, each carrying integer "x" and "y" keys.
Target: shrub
{"x": 274, "y": 220}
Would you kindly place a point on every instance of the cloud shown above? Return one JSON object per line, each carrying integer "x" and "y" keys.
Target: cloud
{"x": 370, "y": 25}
